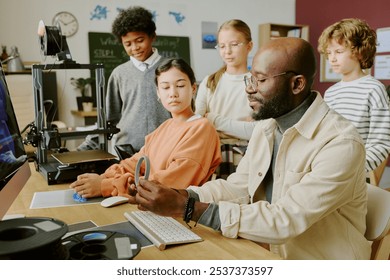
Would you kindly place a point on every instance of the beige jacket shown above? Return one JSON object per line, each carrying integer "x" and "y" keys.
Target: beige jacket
{"x": 319, "y": 200}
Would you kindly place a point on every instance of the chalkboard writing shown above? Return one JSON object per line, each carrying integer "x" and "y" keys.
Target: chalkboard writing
{"x": 171, "y": 46}
{"x": 105, "y": 48}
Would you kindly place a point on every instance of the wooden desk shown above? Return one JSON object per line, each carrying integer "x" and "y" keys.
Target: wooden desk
{"x": 214, "y": 246}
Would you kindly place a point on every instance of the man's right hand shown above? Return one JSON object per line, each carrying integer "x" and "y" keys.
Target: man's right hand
{"x": 159, "y": 199}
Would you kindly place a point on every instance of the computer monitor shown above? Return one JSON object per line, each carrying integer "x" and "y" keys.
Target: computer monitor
{"x": 14, "y": 167}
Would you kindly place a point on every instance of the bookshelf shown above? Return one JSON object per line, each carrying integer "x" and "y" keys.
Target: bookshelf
{"x": 269, "y": 31}
{"x": 89, "y": 117}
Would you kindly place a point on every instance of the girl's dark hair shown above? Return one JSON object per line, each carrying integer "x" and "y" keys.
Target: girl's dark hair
{"x": 177, "y": 63}
{"x": 133, "y": 19}
{"x": 239, "y": 26}
{"x": 182, "y": 66}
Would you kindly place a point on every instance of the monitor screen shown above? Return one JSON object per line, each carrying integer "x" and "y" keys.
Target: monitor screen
{"x": 14, "y": 167}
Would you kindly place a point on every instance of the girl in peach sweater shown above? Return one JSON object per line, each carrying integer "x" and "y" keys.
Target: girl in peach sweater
{"x": 183, "y": 151}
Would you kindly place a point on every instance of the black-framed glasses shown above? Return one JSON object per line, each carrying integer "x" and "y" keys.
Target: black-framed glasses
{"x": 253, "y": 82}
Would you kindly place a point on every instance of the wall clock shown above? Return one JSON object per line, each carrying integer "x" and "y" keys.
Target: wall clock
{"x": 67, "y": 22}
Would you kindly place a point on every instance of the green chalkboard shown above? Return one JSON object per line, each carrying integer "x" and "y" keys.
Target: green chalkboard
{"x": 173, "y": 46}
{"x": 105, "y": 48}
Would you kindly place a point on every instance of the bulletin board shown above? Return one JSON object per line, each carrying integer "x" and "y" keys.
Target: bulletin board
{"x": 105, "y": 48}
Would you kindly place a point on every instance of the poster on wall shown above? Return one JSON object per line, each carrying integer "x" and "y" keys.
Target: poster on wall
{"x": 383, "y": 37}
{"x": 382, "y": 67}
{"x": 209, "y": 34}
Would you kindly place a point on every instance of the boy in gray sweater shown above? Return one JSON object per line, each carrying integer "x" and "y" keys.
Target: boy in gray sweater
{"x": 131, "y": 100}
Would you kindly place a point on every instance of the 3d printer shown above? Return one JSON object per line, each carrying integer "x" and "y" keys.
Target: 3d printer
{"x": 52, "y": 161}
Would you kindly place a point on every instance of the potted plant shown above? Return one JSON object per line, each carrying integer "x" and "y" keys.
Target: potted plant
{"x": 84, "y": 102}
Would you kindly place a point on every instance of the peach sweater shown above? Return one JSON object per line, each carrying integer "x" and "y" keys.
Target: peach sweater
{"x": 180, "y": 154}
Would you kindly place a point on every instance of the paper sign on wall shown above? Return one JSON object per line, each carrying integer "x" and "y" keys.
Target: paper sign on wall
{"x": 383, "y": 37}
{"x": 382, "y": 67}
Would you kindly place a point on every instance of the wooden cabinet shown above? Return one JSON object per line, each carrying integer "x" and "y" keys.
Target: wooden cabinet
{"x": 89, "y": 117}
{"x": 22, "y": 95}
{"x": 269, "y": 31}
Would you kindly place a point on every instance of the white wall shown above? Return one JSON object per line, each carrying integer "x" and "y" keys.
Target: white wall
{"x": 19, "y": 23}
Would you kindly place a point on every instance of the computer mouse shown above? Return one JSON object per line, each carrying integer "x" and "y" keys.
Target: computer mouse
{"x": 113, "y": 200}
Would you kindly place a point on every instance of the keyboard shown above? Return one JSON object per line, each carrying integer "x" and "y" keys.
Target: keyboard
{"x": 160, "y": 230}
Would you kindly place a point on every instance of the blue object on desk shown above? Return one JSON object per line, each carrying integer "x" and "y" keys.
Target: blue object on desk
{"x": 78, "y": 197}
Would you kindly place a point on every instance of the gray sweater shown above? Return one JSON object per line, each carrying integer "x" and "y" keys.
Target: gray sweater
{"x": 132, "y": 105}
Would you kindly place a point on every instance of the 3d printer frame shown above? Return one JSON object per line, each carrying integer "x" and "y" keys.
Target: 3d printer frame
{"x": 46, "y": 138}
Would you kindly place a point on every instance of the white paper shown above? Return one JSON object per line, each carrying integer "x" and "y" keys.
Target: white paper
{"x": 383, "y": 37}
{"x": 382, "y": 67}
{"x": 58, "y": 199}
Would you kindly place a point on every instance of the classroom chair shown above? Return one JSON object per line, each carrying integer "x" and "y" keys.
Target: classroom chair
{"x": 124, "y": 151}
{"x": 378, "y": 222}
{"x": 376, "y": 174}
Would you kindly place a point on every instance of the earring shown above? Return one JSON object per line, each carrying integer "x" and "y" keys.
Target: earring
{"x": 158, "y": 99}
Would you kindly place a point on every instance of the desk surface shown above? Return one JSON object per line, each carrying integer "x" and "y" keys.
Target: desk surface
{"x": 214, "y": 246}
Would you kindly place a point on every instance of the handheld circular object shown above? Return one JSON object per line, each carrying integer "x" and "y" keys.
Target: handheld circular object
{"x": 138, "y": 169}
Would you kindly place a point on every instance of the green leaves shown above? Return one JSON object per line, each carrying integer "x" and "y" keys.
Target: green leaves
{"x": 81, "y": 84}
